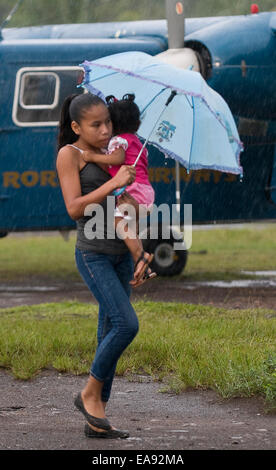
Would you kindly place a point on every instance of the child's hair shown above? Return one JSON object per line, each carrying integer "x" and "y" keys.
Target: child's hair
{"x": 124, "y": 114}
{"x": 73, "y": 109}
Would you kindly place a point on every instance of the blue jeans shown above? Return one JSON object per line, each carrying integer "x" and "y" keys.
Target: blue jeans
{"x": 107, "y": 277}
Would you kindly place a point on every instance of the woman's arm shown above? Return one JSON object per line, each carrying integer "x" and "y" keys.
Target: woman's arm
{"x": 68, "y": 173}
{"x": 117, "y": 157}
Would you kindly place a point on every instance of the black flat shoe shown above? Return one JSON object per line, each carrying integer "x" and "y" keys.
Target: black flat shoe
{"x": 110, "y": 434}
{"x": 101, "y": 423}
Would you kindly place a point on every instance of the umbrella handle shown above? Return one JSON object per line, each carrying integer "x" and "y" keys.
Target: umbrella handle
{"x": 171, "y": 97}
{"x": 118, "y": 192}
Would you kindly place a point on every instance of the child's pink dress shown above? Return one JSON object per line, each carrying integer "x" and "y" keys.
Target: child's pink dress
{"x": 141, "y": 189}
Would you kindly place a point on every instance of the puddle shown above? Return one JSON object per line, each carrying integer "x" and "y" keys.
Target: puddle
{"x": 243, "y": 283}
{"x": 178, "y": 430}
{"x": 248, "y": 282}
{"x": 28, "y": 288}
{"x": 260, "y": 273}
{"x": 234, "y": 284}
{"x": 266, "y": 283}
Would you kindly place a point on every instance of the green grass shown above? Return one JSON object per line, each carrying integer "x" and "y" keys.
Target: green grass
{"x": 228, "y": 252}
{"x": 215, "y": 254}
{"x": 230, "y": 351}
{"x": 37, "y": 257}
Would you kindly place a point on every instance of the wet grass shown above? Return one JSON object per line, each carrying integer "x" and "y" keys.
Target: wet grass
{"x": 215, "y": 254}
{"x": 34, "y": 258}
{"x": 230, "y": 351}
{"x": 224, "y": 254}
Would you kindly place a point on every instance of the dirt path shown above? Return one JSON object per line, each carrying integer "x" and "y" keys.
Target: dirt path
{"x": 39, "y": 414}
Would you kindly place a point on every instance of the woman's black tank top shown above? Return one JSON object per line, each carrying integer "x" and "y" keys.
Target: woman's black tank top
{"x": 95, "y": 231}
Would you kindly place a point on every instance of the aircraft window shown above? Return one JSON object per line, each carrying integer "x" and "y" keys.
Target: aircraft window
{"x": 40, "y": 92}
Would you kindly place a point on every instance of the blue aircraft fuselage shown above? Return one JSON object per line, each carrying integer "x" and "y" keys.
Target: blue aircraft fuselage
{"x": 238, "y": 55}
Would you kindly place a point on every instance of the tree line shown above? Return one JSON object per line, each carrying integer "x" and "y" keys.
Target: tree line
{"x": 38, "y": 12}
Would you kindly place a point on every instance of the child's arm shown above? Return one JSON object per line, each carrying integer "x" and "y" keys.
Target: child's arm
{"x": 117, "y": 157}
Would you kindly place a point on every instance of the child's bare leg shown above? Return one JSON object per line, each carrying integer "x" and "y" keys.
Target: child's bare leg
{"x": 135, "y": 247}
{"x": 130, "y": 238}
{"x": 129, "y": 233}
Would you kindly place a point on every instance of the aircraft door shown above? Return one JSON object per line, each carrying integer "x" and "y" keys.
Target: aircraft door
{"x": 30, "y": 195}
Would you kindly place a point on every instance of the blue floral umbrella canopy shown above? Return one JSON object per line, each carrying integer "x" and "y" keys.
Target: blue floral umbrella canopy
{"x": 197, "y": 127}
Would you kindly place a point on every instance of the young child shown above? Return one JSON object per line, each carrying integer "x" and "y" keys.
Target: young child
{"x": 124, "y": 148}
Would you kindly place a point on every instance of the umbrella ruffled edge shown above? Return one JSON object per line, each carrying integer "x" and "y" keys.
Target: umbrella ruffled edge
{"x": 193, "y": 166}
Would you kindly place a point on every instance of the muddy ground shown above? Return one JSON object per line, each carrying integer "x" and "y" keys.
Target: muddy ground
{"x": 240, "y": 294}
{"x": 39, "y": 414}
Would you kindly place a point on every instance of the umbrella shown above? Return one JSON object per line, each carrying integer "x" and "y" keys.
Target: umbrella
{"x": 192, "y": 125}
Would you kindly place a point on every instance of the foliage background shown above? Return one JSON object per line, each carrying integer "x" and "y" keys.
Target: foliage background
{"x": 36, "y": 12}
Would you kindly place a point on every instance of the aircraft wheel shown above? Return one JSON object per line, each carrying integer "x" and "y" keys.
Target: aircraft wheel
{"x": 167, "y": 261}
{"x": 3, "y": 234}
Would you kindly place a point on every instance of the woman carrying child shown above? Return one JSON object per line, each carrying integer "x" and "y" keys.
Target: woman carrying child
{"x": 105, "y": 265}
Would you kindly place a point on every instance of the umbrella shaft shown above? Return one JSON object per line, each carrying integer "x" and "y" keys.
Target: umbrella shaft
{"x": 146, "y": 141}
{"x": 171, "y": 97}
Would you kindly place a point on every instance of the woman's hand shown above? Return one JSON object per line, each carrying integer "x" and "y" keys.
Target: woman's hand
{"x": 125, "y": 176}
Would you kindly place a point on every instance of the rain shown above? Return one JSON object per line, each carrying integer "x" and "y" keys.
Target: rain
{"x": 224, "y": 278}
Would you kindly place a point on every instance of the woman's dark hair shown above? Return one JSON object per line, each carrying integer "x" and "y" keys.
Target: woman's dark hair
{"x": 124, "y": 114}
{"x": 73, "y": 109}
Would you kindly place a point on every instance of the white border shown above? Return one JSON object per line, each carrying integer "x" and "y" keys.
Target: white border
{"x": 17, "y": 92}
{"x": 39, "y": 106}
